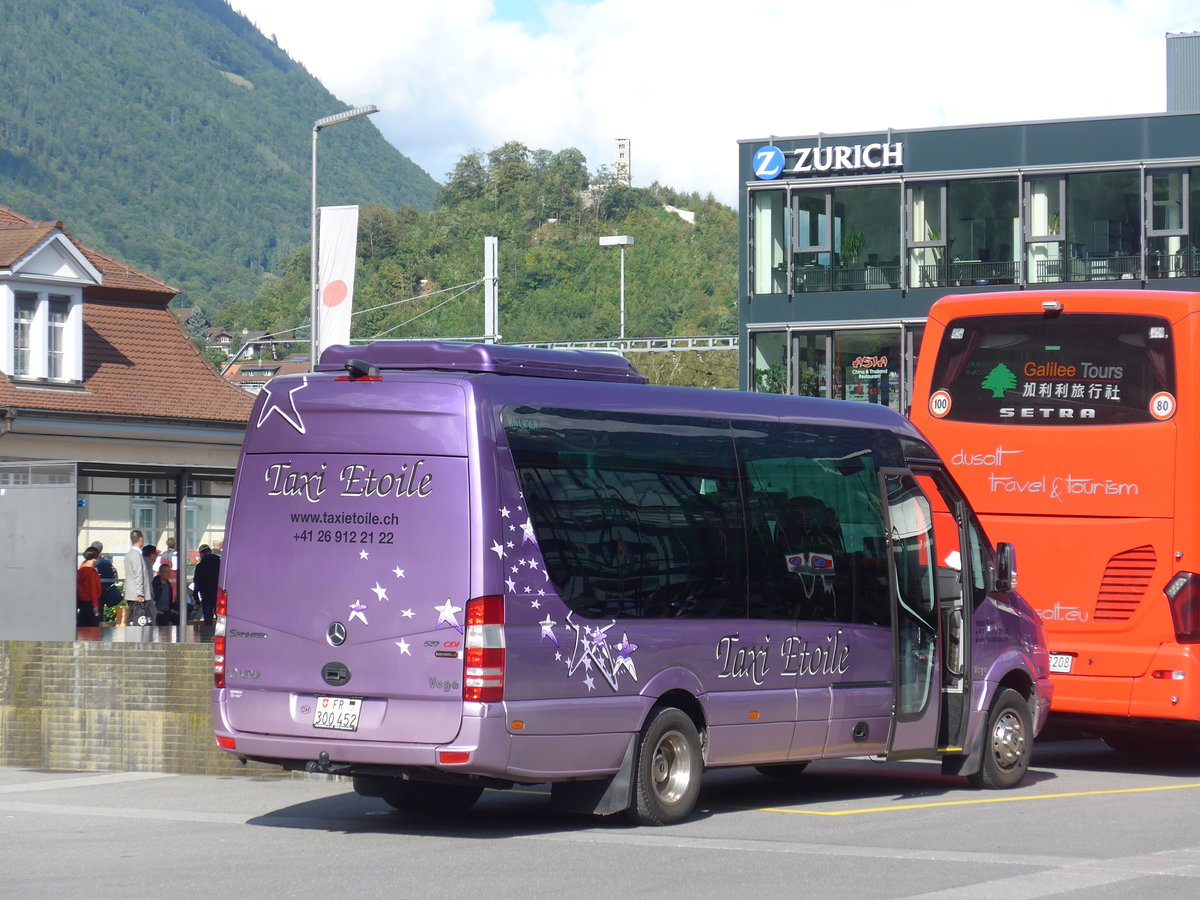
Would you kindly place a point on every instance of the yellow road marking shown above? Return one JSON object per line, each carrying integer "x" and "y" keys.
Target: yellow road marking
{"x": 1008, "y": 799}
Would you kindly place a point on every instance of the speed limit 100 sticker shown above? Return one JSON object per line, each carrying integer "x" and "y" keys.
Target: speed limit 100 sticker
{"x": 1162, "y": 405}
{"x": 939, "y": 404}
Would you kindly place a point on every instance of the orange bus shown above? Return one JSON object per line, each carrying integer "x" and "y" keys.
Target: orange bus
{"x": 1070, "y": 419}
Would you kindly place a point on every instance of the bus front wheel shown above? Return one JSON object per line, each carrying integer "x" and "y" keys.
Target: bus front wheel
{"x": 1007, "y": 743}
{"x": 667, "y": 769}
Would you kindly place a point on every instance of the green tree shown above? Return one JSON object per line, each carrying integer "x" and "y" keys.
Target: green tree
{"x": 999, "y": 380}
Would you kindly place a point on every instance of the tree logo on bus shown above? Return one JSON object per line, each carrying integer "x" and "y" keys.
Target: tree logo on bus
{"x": 999, "y": 380}
{"x": 1162, "y": 405}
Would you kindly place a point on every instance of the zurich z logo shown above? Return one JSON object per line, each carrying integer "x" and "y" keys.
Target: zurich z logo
{"x": 768, "y": 163}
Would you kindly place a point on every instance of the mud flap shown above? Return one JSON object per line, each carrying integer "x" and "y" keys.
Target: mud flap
{"x": 599, "y": 798}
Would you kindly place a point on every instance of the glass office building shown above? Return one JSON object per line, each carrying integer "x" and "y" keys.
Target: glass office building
{"x": 847, "y": 240}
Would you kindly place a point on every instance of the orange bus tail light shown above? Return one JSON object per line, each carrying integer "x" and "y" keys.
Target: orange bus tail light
{"x": 1183, "y": 594}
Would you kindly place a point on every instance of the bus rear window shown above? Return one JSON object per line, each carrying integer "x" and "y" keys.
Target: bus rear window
{"x": 1064, "y": 369}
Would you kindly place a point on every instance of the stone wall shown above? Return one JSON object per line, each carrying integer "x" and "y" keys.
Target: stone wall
{"x": 111, "y": 707}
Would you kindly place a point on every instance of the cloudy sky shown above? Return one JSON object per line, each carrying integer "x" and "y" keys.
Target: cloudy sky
{"x": 684, "y": 80}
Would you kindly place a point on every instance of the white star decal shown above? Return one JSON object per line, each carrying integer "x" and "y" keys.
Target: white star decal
{"x": 498, "y": 549}
{"x": 591, "y": 685}
{"x": 446, "y": 614}
{"x": 275, "y": 404}
{"x": 379, "y": 592}
{"x": 527, "y": 527}
{"x": 357, "y": 611}
{"x": 512, "y": 585}
{"x": 408, "y": 614}
{"x": 363, "y": 554}
{"x": 504, "y": 512}
{"x": 399, "y": 572}
{"x": 403, "y": 645}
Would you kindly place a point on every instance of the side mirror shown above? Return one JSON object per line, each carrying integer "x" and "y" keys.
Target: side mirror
{"x": 1006, "y": 567}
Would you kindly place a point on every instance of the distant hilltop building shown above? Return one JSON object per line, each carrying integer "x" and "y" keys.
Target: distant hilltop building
{"x": 623, "y": 162}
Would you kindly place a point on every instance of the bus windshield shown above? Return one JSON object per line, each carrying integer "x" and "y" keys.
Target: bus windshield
{"x": 1053, "y": 369}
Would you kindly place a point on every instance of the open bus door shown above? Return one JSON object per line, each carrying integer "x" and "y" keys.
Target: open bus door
{"x": 935, "y": 581}
{"x": 917, "y": 700}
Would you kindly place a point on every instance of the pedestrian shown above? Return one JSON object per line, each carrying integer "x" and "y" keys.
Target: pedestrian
{"x": 137, "y": 581}
{"x": 205, "y": 579}
{"x": 169, "y": 556}
{"x": 164, "y": 596}
{"x": 87, "y": 591}
{"x": 110, "y": 595}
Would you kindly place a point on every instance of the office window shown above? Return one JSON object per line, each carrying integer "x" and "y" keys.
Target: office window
{"x": 847, "y": 239}
{"x": 1167, "y": 245}
{"x": 983, "y": 229}
{"x": 769, "y": 357}
{"x": 1104, "y": 226}
{"x": 927, "y": 235}
{"x": 1044, "y": 202}
{"x": 770, "y": 243}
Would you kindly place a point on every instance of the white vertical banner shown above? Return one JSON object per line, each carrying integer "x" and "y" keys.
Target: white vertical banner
{"x": 335, "y": 263}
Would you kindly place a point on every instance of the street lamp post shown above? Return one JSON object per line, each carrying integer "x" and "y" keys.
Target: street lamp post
{"x": 315, "y": 312}
{"x": 622, "y": 241}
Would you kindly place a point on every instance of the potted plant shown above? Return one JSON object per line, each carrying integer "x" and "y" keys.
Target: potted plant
{"x": 854, "y": 241}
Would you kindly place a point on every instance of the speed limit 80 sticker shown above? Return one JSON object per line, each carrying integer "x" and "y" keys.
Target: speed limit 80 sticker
{"x": 939, "y": 404}
{"x": 1162, "y": 405}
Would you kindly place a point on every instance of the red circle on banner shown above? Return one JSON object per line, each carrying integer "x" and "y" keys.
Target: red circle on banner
{"x": 335, "y": 292}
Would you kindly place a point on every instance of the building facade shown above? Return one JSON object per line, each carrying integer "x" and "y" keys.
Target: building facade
{"x": 847, "y": 240}
{"x": 110, "y": 420}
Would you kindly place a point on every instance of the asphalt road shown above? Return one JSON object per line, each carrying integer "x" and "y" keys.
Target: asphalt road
{"x": 1087, "y": 822}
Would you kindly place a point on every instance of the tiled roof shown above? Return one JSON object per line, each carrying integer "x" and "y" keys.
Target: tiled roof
{"x": 137, "y": 361}
{"x": 20, "y": 234}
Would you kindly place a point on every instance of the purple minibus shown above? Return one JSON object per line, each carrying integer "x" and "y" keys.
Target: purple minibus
{"x": 451, "y": 567}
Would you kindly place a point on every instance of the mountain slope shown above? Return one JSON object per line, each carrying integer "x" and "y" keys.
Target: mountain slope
{"x": 173, "y": 135}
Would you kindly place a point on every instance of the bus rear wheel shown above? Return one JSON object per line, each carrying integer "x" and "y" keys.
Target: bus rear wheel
{"x": 430, "y": 798}
{"x": 667, "y": 769}
{"x": 1007, "y": 743}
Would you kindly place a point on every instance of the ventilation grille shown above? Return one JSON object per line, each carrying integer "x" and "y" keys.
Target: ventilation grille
{"x": 1125, "y": 580}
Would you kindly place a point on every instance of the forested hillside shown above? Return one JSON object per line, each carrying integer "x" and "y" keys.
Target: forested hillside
{"x": 556, "y": 282}
{"x": 174, "y": 135}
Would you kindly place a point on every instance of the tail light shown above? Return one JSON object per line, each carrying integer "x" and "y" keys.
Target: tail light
{"x": 219, "y": 639}
{"x": 483, "y": 675}
{"x": 1183, "y": 594}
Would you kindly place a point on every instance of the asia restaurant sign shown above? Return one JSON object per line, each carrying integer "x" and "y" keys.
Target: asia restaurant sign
{"x": 770, "y": 162}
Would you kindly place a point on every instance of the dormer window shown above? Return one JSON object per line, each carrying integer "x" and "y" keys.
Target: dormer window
{"x": 47, "y": 336}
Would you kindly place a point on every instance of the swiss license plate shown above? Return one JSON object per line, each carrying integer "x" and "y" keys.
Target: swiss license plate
{"x": 1061, "y": 662}
{"x": 337, "y": 713}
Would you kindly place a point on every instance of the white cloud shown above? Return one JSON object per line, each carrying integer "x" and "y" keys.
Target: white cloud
{"x": 685, "y": 80}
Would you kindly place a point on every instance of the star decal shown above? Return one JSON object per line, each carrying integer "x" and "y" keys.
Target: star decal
{"x": 408, "y": 614}
{"x": 512, "y": 585}
{"x": 286, "y": 407}
{"x": 504, "y": 512}
{"x": 498, "y": 549}
{"x": 363, "y": 554}
{"x": 548, "y": 630}
{"x": 446, "y": 614}
{"x": 527, "y": 528}
{"x": 403, "y": 645}
{"x": 399, "y": 572}
{"x": 379, "y": 592}
{"x": 357, "y": 611}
